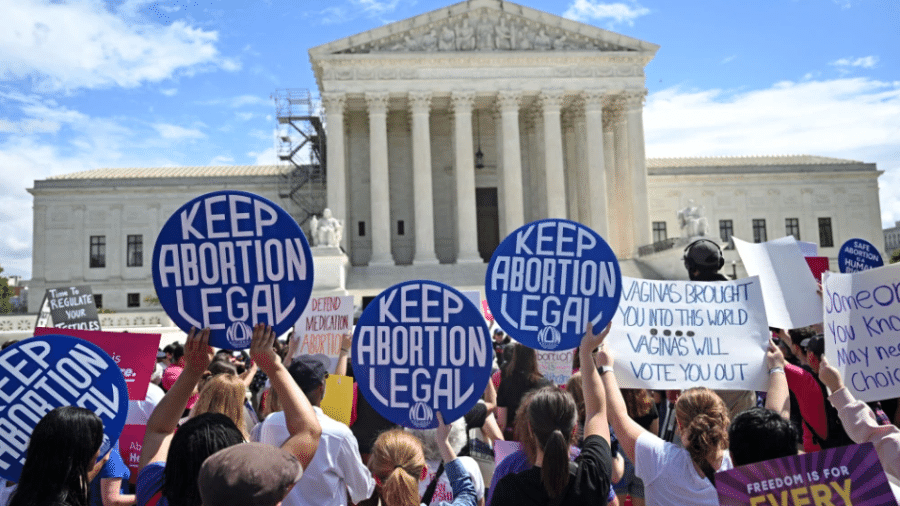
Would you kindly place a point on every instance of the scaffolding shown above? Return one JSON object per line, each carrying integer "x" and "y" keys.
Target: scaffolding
{"x": 301, "y": 143}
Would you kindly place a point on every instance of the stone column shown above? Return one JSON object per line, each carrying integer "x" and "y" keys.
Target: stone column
{"x": 570, "y": 165}
{"x": 595, "y": 211}
{"x": 336, "y": 198}
{"x": 82, "y": 242}
{"x": 609, "y": 161}
{"x": 511, "y": 169}
{"x": 634, "y": 103}
{"x": 423, "y": 199}
{"x": 623, "y": 182}
{"x": 498, "y": 144}
{"x": 466, "y": 218}
{"x": 116, "y": 246}
{"x": 554, "y": 177}
{"x": 379, "y": 183}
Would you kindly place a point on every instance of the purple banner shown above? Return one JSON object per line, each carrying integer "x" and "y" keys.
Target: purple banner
{"x": 846, "y": 476}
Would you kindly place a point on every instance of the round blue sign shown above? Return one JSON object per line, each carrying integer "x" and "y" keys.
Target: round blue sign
{"x": 859, "y": 255}
{"x": 228, "y": 260}
{"x": 40, "y": 374}
{"x": 548, "y": 278}
{"x": 421, "y": 347}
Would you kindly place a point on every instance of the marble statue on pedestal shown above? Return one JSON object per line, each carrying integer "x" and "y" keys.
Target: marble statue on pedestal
{"x": 693, "y": 220}
{"x": 326, "y": 232}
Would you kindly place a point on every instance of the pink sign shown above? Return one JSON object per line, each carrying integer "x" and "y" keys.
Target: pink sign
{"x": 487, "y": 311}
{"x": 130, "y": 447}
{"x": 134, "y": 353}
{"x": 817, "y": 265}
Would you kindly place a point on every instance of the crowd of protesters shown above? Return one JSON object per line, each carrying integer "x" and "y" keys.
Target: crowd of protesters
{"x": 248, "y": 429}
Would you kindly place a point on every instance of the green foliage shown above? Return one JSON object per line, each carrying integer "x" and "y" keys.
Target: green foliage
{"x": 895, "y": 256}
{"x": 6, "y": 292}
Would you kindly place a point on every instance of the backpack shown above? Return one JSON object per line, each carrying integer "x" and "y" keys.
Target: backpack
{"x": 837, "y": 436}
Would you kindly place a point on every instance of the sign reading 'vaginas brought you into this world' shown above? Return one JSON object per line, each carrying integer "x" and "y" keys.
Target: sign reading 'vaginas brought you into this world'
{"x": 228, "y": 260}
{"x": 548, "y": 278}
{"x": 421, "y": 347}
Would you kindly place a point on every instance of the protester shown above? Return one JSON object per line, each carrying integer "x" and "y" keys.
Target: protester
{"x": 110, "y": 486}
{"x": 641, "y": 408}
{"x": 519, "y": 377}
{"x": 436, "y": 486}
{"x": 552, "y": 417}
{"x": 673, "y": 475}
{"x": 170, "y": 462}
{"x": 859, "y": 420}
{"x": 398, "y": 463}
{"x": 336, "y": 470}
{"x": 248, "y": 474}
{"x": 225, "y": 393}
{"x": 760, "y": 434}
{"x": 62, "y": 459}
{"x": 503, "y": 345}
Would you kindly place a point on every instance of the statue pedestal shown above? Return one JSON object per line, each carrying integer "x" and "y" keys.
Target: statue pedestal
{"x": 330, "y": 265}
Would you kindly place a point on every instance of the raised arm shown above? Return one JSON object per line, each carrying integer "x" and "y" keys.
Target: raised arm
{"x": 778, "y": 396}
{"x": 301, "y": 421}
{"x": 164, "y": 420}
{"x": 460, "y": 482}
{"x": 346, "y": 344}
{"x": 595, "y": 422}
{"x": 627, "y": 430}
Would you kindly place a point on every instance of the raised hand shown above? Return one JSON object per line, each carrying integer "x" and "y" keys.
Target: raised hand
{"x": 197, "y": 352}
{"x": 830, "y": 376}
{"x": 774, "y": 357}
{"x": 262, "y": 350}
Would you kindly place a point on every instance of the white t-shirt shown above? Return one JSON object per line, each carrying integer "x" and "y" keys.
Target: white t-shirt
{"x": 670, "y": 478}
{"x": 443, "y": 491}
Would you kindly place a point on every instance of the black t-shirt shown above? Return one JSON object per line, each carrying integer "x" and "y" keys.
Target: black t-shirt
{"x": 588, "y": 482}
{"x": 645, "y": 420}
{"x": 511, "y": 391}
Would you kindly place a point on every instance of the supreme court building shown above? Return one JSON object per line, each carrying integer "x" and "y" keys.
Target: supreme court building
{"x": 450, "y": 129}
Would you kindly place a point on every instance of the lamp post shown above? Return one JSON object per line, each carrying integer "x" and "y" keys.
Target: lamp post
{"x": 734, "y": 269}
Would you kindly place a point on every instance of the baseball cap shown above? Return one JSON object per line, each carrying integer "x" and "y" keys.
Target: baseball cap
{"x": 309, "y": 372}
{"x": 248, "y": 474}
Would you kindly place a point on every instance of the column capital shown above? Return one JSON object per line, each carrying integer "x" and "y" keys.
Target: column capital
{"x": 419, "y": 101}
{"x": 634, "y": 99}
{"x": 378, "y": 101}
{"x": 509, "y": 100}
{"x": 334, "y": 102}
{"x": 462, "y": 101}
{"x": 594, "y": 99}
{"x": 550, "y": 100}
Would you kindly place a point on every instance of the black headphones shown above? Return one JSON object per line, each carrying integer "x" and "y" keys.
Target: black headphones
{"x": 691, "y": 265}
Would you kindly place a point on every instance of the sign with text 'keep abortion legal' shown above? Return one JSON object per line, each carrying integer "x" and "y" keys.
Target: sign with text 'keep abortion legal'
{"x": 421, "y": 347}
{"x": 845, "y": 476}
{"x": 228, "y": 260}
{"x": 547, "y": 279}
{"x": 862, "y": 330}
{"x": 859, "y": 255}
{"x": 671, "y": 335}
{"x": 40, "y": 374}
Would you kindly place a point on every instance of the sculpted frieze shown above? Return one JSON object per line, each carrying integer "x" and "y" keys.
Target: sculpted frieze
{"x": 485, "y": 30}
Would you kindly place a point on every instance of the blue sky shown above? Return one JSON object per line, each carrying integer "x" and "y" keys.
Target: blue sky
{"x": 136, "y": 83}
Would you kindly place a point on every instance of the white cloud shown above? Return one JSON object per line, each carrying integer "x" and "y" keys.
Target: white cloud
{"x": 856, "y": 119}
{"x": 354, "y": 9}
{"x": 240, "y": 101}
{"x": 175, "y": 132}
{"x": 729, "y": 59}
{"x": 595, "y": 10}
{"x": 865, "y": 62}
{"x": 66, "y": 46}
{"x": 169, "y": 92}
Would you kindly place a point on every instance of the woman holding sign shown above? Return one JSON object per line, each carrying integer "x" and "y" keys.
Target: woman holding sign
{"x": 552, "y": 415}
{"x": 62, "y": 459}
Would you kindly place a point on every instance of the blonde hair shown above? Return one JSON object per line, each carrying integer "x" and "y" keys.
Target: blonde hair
{"x": 225, "y": 394}
{"x": 397, "y": 462}
{"x": 704, "y": 423}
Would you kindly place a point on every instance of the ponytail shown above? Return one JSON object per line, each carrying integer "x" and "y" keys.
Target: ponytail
{"x": 400, "y": 488}
{"x": 396, "y": 463}
{"x": 555, "y": 468}
{"x": 552, "y": 415}
{"x": 704, "y": 420}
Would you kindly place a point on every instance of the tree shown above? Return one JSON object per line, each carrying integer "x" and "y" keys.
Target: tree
{"x": 6, "y": 292}
{"x": 895, "y": 256}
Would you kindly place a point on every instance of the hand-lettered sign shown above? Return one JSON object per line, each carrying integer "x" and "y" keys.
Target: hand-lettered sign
{"x": 228, "y": 260}
{"x": 71, "y": 307}
{"x": 134, "y": 353}
{"x": 671, "y": 335}
{"x": 862, "y": 330}
{"x": 421, "y": 347}
{"x": 323, "y": 325}
{"x": 556, "y": 366}
{"x": 547, "y": 279}
{"x": 845, "y": 476}
{"x": 859, "y": 255}
{"x": 40, "y": 374}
